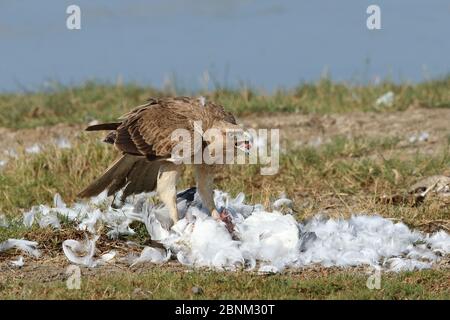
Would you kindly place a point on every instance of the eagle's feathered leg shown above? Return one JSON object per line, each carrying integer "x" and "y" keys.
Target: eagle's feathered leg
{"x": 204, "y": 178}
{"x": 166, "y": 187}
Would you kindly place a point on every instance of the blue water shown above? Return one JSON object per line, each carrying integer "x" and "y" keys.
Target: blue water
{"x": 261, "y": 43}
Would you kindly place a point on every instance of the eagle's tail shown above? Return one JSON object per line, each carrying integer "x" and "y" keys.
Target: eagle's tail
{"x": 134, "y": 174}
{"x": 117, "y": 170}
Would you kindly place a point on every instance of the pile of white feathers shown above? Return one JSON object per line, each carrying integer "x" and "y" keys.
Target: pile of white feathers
{"x": 266, "y": 240}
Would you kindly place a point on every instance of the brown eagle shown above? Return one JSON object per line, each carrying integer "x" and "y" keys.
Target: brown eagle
{"x": 144, "y": 137}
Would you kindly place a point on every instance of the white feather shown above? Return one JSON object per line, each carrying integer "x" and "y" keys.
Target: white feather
{"x": 269, "y": 239}
{"x": 29, "y": 247}
{"x": 152, "y": 255}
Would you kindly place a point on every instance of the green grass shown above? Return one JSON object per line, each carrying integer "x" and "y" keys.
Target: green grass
{"x": 162, "y": 283}
{"x": 106, "y": 102}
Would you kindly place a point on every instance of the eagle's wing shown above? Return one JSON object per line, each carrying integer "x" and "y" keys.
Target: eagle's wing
{"x": 147, "y": 130}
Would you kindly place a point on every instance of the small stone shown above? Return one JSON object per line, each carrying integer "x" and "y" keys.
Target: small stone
{"x": 197, "y": 290}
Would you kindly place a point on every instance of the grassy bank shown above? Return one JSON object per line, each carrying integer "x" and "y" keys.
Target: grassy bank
{"x": 342, "y": 175}
{"x": 105, "y": 102}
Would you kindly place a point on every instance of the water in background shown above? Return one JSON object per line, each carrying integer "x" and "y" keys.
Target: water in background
{"x": 203, "y": 43}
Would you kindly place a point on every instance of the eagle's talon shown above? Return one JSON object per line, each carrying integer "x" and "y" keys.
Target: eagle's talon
{"x": 226, "y": 218}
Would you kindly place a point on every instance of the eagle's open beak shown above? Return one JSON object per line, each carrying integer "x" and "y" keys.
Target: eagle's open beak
{"x": 226, "y": 218}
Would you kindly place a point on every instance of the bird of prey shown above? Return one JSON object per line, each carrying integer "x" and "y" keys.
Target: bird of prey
{"x": 144, "y": 138}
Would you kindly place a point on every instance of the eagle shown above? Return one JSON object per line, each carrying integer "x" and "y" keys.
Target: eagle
{"x": 144, "y": 137}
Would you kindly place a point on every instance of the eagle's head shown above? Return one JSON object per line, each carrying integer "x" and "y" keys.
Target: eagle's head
{"x": 243, "y": 141}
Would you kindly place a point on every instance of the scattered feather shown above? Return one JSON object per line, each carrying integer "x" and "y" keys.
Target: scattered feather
{"x": 81, "y": 253}
{"x": 63, "y": 143}
{"x": 35, "y": 148}
{"x": 386, "y": 99}
{"x": 19, "y": 263}
{"x": 109, "y": 256}
{"x": 400, "y": 264}
{"x": 421, "y": 137}
{"x": 29, "y": 247}
{"x": 440, "y": 242}
{"x": 271, "y": 241}
{"x": 152, "y": 255}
